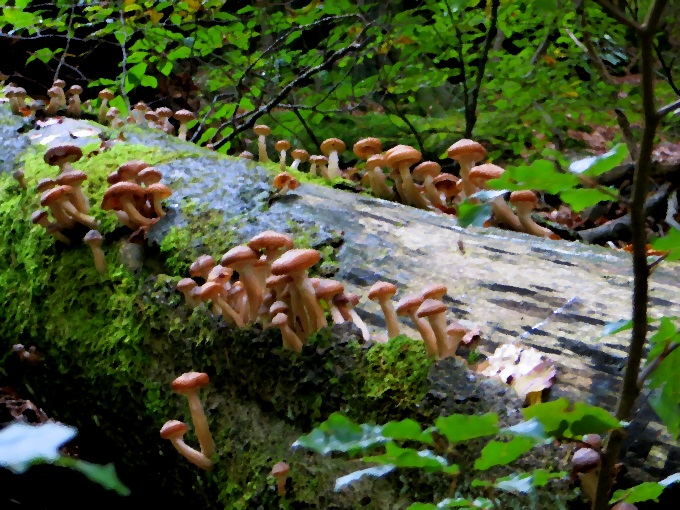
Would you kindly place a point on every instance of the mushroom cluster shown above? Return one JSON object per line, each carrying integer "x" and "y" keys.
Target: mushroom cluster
{"x": 136, "y": 194}
{"x": 189, "y": 384}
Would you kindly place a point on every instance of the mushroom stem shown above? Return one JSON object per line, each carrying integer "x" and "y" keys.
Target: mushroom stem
{"x": 85, "y": 219}
{"x": 505, "y": 215}
{"x": 427, "y": 334}
{"x": 413, "y": 197}
{"x": 132, "y": 212}
{"x": 99, "y": 259}
{"x": 530, "y": 226}
{"x": 262, "y": 149}
{"x": 182, "y": 133}
{"x": 201, "y": 426}
{"x": 195, "y": 457}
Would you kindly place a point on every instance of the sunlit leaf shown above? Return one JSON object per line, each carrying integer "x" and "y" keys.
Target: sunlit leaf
{"x": 473, "y": 214}
{"x": 497, "y": 453}
{"x": 339, "y": 434}
{"x": 671, "y": 242}
{"x": 463, "y": 427}
{"x": 597, "y": 165}
{"x": 409, "y": 458}
{"x": 375, "y": 472}
{"x": 21, "y": 444}
{"x": 105, "y": 476}
{"x": 580, "y": 198}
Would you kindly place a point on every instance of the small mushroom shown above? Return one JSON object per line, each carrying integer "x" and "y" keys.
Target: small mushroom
{"x": 408, "y": 305}
{"x": 184, "y": 117}
{"x": 189, "y": 384}
{"x": 290, "y": 340}
{"x": 246, "y": 155}
{"x": 299, "y": 156}
{"x": 20, "y": 178}
{"x": 174, "y": 431}
{"x": 105, "y": 95}
{"x": 345, "y": 303}
{"x": 525, "y": 201}
{"x": 467, "y": 153}
{"x": 94, "y": 240}
{"x": 39, "y": 217}
{"x": 332, "y": 147}
{"x": 158, "y": 192}
{"x": 383, "y": 292}
{"x": 479, "y": 176}
{"x": 62, "y": 156}
{"x": 262, "y": 131}
{"x": 282, "y": 146}
{"x": 185, "y": 286}
{"x": 401, "y": 158}
{"x": 284, "y": 182}
{"x": 280, "y": 472}
{"x": 435, "y": 312}
{"x": 318, "y": 163}
{"x": 75, "y": 179}
{"x": 74, "y": 106}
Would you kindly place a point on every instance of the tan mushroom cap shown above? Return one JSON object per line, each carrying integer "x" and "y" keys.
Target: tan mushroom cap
{"x": 53, "y": 195}
{"x": 270, "y": 239}
{"x": 111, "y": 199}
{"x": 456, "y": 328}
{"x": 149, "y": 175}
{"x": 160, "y": 190}
{"x": 382, "y": 289}
{"x": 408, "y": 304}
{"x": 277, "y": 280}
{"x": 446, "y": 182}
{"x": 38, "y": 216}
{"x": 190, "y": 381}
{"x": 173, "y": 428}
{"x": 53, "y": 91}
{"x": 279, "y": 320}
{"x": 75, "y": 90}
{"x": 300, "y": 154}
{"x": 93, "y": 238}
{"x": 164, "y": 112}
{"x": 282, "y": 179}
{"x": 220, "y": 274}
{"x": 60, "y": 154}
{"x": 295, "y": 260}
{"x": 45, "y": 184}
{"x": 523, "y": 196}
{"x": 184, "y": 115}
{"x": 246, "y": 155}
{"x": 319, "y": 159}
{"x": 210, "y": 291}
{"x": 262, "y": 130}
{"x": 346, "y": 298}
{"x": 105, "y": 94}
{"x": 482, "y": 173}
{"x": 327, "y": 288}
{"x": 129, "y": 171}
{"x": 585, "y": 459}
{"x": 72, "y": 178}
{"x": 239, "y": 254}
{"x": 434, "y": 291}
{"x": 280, "y": 469}
{"x": 367, "y": 147}
{"x": 402, "y": 155}
{"x": 377, "y": 160}
{"x": 431, "y": 307}
{"x": 282, "y": 145}
{"x": 332, "y": 145}
{"x": 202, "y": 264}
{"x": 186, "y": 284}
{"x": 468, "y": 149}
{"x": 278, "y": 307}
{"x": 427, "y": 169}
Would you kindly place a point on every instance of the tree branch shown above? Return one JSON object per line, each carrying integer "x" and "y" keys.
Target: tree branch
{"x": 618, "y": 15}
{"x": 266, "y": 108}
{"x": 649, "y": 369}
{"x": 665, "y": 110}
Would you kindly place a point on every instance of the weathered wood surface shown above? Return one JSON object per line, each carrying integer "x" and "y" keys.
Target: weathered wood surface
{"x": 554, "y": 296}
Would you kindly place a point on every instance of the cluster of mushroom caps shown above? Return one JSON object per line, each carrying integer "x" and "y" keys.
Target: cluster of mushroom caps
{"x": 57, "y": 99}
{"x": 67, "y": 202}
{"x": 273, "y": 289}
{"x": 136, "y": 194}
{"x": 189, "y": 384}
{"x": 423, "y": 186}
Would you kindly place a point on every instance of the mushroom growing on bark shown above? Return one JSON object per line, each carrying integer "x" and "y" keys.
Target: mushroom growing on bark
{"x": 383, "y": 292}
{"x": 401, "y": 158}
{"x": 74, "y": 107}
{"x": 184, "y": 117}
{"x": 62, "y": 156}
{"x": 281, "y": 147}
{"x": 467, "y": 153}
{"x": 435, "y": 312}
{"x": 262, "y": 131}
{"x": 376, "y": 177}
{"x": 280, "y": 472}
{"x": 94, "y": 240}
{"x": 290, "y": 340}
{"x": 332, "y": 147}
{"x": 525, "y": 201}
{"x": 318, "y": 163}
{"x": 189, "y": 384}
{"x": 299, "y": 156}
{"x": 479, "y": 176}
{"x": 241, "y": 259}
{"x": 426, "y": 172}
{"x": 284, "y": 182}
{"x": 105, "y": 95}
{"x": 408, "y": 305}
{"x": 174, "y": 431}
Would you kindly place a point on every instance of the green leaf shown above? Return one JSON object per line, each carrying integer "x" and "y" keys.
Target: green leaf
{"x": 580, "y": 198}
{"x": 376, "y": 472}
{"x": 478, "y": 503}
{"x": 531, "y": 429}
{"x": 541, "y": 477}
{"x": 671, "y": 242}
{"x": 149, "y": 81}
{"x": 666, "y": 396}
{"x": 616, "y": 327}
{"x": 22, "y": 444}
{"x": 177, "y": 53}
{"x": 463, "y": 427}
{"x": 426, "y": 460}
{"x": 473, "y": 214}
{"x": 643, "y": 492}
{"x": 103, "y": 475}
{"x": 519, "y": 483}
{"x": 597, "y": 165}
{"x": 562, "y": 420}
{"x": 497, "y": 453}
{"x": 19, "y": 18}
{"x": 660, "y": 340}
{"x": 43, "y": 54}
{"x": 406, "y": 430}
{"x": 540, "y": 175}
{"x": 339, "y": 434}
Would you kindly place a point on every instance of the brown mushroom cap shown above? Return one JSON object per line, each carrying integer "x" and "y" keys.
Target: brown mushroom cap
{"x": 402, "y": 155}
{"x": 276, "y": 308}
{"x": 72, "y": 178}
{"x": 149, "y": 175}
{"x": 269, "y": 239}
{"x": 105, "y": 94}
{"x": 55, "y": 194}
{"x": 38, "y": 216}
{"x": 186, "y": 284}
{"x": 111, "y": 199}
{"x": 346, "y": 298}
{"x": 75, "y": 90}
{"x": 237, "y": 255}
{"x": 93, "y": 238}
{"x": 332, "y": 145}
{"x": 430, "y": 307}
{"x": 300, "y": 154}
{"x": 210, "y": 291}
{"x": 282, "y": 145}
{"x": 190, "y": 381}
{"x": 164, "y": 112}
{"x": 184, "y": 115}
{"x": 381, "y": 290}
{"x": 173, "y": 428}
{"x": 295, "y": 260}
{"x": 262, "y": 130}
{"x": 427, "y": 169}
{"x": 246, "y": 155}
{"x": 326, "y": 288}
{"x": 202, "y": 264}
{"x": 367, "y": 147}
{"x": 446, "y": 183}
{"x": 159, "y": 190}
{"x": 280, "y": 319}
{"x": 468, "y": 149}
{"x": 456, "y": 328}
{"x": 129, "y": 171}
{"x": 318, "y": 160}
{"x": 585, "y": 459}
{"x": 60, "y": 154}
{"x": 282, "y": 179}
{"x": 482, "y": 173}
{"x": 408, "y": 304}
{"x": 377, "y": 160}
{"x": 280, "y": 469}
{"x": 523, "y": 196}
{"x": 45, "y": 184}
{"x": 434, "y": 291}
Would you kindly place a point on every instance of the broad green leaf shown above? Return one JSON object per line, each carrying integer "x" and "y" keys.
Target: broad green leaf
{"x": 105, "y": 476}
{"x": 409, "y": 458}
{"x": 531, "y": 429}
{"x": 375, "y": 472}
{"x": 43, "y": 54}
{"x": 22, "y": 444}
{"x": 643, "y": 492}
{"x": 519, "y": 483}
{"x": 339, "y": 434}
{"x": 550, "y": 414}
{"x": 597, "y": 165}
{"x": 580, "y": 198}
{"x": 463, "y": 427}
{"x": 671, "y": 242}
{"x": 473, "y": 214}
{"x": 497, "y": 453}
{"x": 406, "y": 430}
{"x": 666, "y": 395}
{"x": 662, "y": 337}
{"x": 616, "y": 327}
{"x": 19, "y": 18}
{"x": 562, "y": 420}
{"x": 540, "y": 175}
{"x": 541, "y": 477}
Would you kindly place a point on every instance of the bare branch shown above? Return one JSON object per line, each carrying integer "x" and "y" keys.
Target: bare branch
{"x": 618, "y": 15}
{"x": 627, "y": 131}
{"x": 665, "y": 110}
{"x": 649, "y": 369}
{"x": 69, "y": 33}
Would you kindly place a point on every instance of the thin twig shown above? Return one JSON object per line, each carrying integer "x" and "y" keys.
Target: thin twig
{"x": 123, "y": 74}
{"x": 618, "y": 15}
{"x": 69, "y": 34}
{"x": 665, "y": 110}
{"x": 649, "y": 369}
